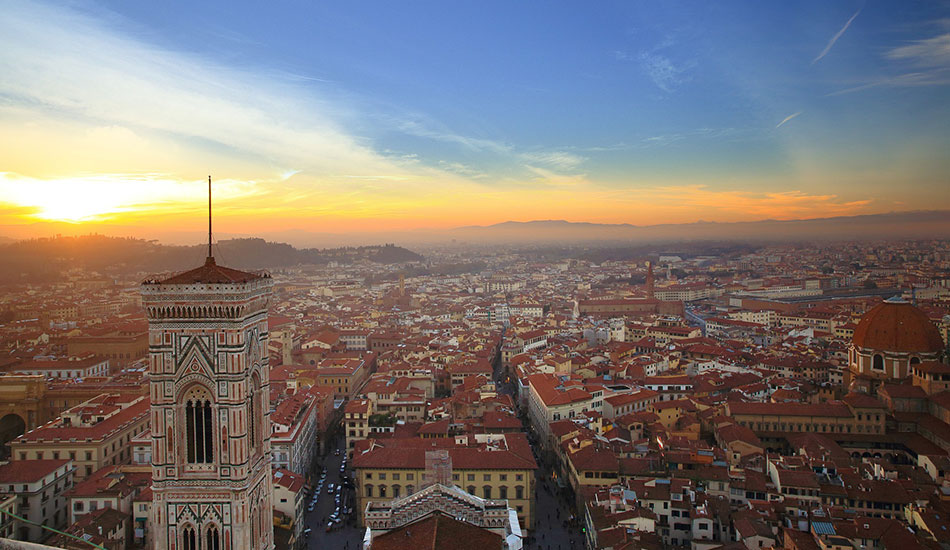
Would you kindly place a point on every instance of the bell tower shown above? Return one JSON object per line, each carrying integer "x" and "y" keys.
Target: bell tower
{"x": 209, "y": 389}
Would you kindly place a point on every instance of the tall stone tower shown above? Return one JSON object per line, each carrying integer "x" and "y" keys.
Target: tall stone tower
{"x": 211, "y": 471}
{"x": 650, "y": 281}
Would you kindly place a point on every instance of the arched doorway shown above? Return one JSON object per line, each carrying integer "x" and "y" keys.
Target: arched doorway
{"x": 12, "y": 426}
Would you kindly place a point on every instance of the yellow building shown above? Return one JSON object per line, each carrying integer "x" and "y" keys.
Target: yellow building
{"x": 858, "y": 414}
{"x": 490, "y": 466}
{"x": 94, "y": 434}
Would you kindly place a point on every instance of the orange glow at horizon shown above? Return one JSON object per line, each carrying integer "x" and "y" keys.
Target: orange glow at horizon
{"x": 149, "y": 204}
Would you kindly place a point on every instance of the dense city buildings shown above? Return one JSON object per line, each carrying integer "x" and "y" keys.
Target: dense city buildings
{"x": 774, "y": 395}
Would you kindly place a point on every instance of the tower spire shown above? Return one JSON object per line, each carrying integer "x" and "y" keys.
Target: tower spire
{"x": 210, "y": 256}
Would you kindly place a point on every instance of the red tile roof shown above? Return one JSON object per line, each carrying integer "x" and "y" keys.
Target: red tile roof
{"x": 897, "y": 326}
{"x": 790, "y": 409}
{"x": 436, "y": 532}
{"x": 410, "y": 454}
{"x": 28, "y": 471}
{"x": 52, "y": 432}
{"x": 552, "y": 392}
{"x": 211, "y": 273}
{"x": 289, "y": 480}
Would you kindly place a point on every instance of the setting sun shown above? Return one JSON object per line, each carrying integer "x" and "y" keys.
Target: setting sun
{"x": 107, "y": 197}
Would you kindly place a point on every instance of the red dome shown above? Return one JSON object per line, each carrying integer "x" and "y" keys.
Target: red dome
{"x": 896, "y": 325}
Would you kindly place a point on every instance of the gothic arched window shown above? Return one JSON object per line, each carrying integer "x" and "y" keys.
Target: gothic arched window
{"x": 189, "y": 540}
{"x": 199, "y": 426}
{"x": 212, "y": 539}
{"x": 254, "y": 422}
{"x": 253, "y": 522}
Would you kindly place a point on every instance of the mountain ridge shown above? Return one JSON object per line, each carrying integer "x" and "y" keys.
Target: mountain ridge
{"x": 50, "y": 258}
{"x": 899, "y": 224}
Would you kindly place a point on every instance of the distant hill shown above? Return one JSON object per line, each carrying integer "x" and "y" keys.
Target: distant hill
{"x": 49, "y": 259}
{"x": 903, "y": 225}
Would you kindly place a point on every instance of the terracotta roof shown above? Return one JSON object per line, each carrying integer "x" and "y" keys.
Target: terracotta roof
{"x": 211, "y": 273}
{"x": 95, "y": 432}
{"x": 438, "y": 531}
{"x": 410, "y": 454}
{"x": 791, "y": 409}
{"x": 288, "y": 480}
{"x": 897, "y": 326}
{"x": 28, "y": 471}
{"x": 862, "y": 401}
{"x": 594, "y": 458}
{"x": 933, "y": 367}
{"x": 554, "y": 392}
{"x": 902, "y": 391}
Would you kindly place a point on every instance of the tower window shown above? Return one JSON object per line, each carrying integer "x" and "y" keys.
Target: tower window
{"x": 213, "y": 540}
{"x": 254, "y": 416}
{"x": 199, "y": 429}
{"x": 189, "y": 541}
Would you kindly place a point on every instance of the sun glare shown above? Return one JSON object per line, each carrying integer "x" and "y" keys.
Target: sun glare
{"x": 102, "y": 197}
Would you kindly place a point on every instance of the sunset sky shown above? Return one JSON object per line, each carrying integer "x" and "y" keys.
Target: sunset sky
{"x": 386, "y": 115}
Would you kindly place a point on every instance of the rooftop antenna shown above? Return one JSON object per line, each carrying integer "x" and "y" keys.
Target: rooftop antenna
{"x": 210, "y": 256}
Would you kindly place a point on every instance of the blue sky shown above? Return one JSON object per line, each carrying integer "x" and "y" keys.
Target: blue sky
{"x": 834, "y": 107}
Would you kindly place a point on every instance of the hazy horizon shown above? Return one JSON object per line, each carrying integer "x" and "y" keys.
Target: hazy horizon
{"x": 894, "y": 225}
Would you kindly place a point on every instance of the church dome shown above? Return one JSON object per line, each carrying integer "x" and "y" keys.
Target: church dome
{"x": 898, "y": 326}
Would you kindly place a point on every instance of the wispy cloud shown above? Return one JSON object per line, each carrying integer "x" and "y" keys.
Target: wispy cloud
{"x": 930, "y": 52}
{"x": 929, "y": 62}
{"x": 431, "y": 130}
{"x": 663, "y": 72}
{"x": 789, "y": 117}
{"x": 462, "y": 169}
{"x": 936, "y": 77}
{"x": 662, "y": 140}
{"x": 835, "y": 38}
{"x": 560, "y": 160}
{"x": 750, "y": 204}
{"x": 180, "y": 100}
{"x": 552, "y": 178}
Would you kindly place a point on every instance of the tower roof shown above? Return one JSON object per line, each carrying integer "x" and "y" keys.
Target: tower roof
{"x": 211, "y": 273}
{"x": 896, "y": 325}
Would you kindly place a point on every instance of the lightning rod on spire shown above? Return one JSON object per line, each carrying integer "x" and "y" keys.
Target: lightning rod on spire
{"x": 210, "y": 256}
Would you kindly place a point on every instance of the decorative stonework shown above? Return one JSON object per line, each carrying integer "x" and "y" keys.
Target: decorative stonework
{"x": 206, "y": 344}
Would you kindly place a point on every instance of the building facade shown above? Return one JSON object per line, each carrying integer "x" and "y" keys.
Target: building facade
{"x": 209, "y": 388}
{"x": 40, "y": 486}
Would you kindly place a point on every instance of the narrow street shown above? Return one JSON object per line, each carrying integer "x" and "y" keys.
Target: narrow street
{"x": 553, "y": 506}
{"x": 344, "y": 535}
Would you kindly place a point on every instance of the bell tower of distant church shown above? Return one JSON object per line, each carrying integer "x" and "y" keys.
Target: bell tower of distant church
{"x": 209, "y": 389}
